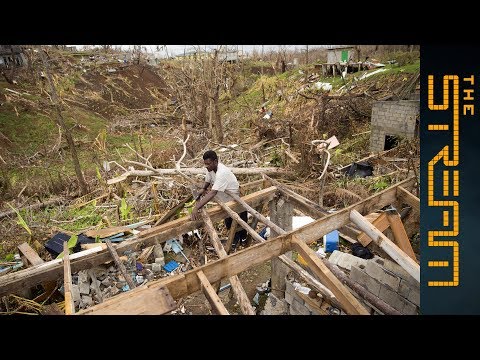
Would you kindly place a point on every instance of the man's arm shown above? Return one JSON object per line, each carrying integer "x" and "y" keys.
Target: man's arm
{"x": 210, "y": 195}
{"x": 206, "y": 184}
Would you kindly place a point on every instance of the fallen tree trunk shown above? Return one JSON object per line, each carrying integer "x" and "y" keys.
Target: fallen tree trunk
{"x": 194, "y": 171}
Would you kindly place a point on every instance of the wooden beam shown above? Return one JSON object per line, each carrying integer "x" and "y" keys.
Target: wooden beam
{"x": 211, "y": 295}
{"x": 360, "y": 290}
{"x": 381, "y": 223}
{"x": 349, "y": 303}
{"x": 67, "y": 281}
{"x": 30, "y": 254}
{"x": 53, "y": 270}
{"x": 145, "y": 301}
{"x": 401, "y": 237}
{"x": 237, "y": 288}
{"x": 410, "y": 199}
{"x": 385, "y": 244}
{"x": 286, "y": 260}
{"x": 120, "y": 265}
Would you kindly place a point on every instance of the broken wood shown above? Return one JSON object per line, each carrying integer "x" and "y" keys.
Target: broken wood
{"x": 360, "y": 290}
{"x": 349, "y": 303}
{"x": 237, "y": 288}
{"x": 387, "y": 245}
{"x": 286, "y": 260}
{"x": 194, "y": 171}
{"x": 104, "y": 233}
{"x": 381, "y": 223}
{"x": 211, "y": 295}
{"x": 120, "y": 265}
{"x": 401, "y": 237}
{"x": 67, "y": 281}
{"x": 149, "y": 301}
{"x": 188, "y": 282}
{"x": 30, "y": 255}
{"x": 410, "y": 199}
{"x": 53, "y": 270}
{"x": 173, "y": 211}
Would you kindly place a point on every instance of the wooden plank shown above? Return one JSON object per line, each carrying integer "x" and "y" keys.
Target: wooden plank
{"x": 67, "y": 281}
{"x": 407, "y": 197}
{"x": 237, "y": 288}
{"x": 401, "y": 237}
{"x": 211, "y": 295}
{"x": 173, "y": 211}
{"x": 120, "y": 265}
{"x": 30, "y": 254}
{"x": 381, "y": 223}
{"x": 349, "y": 303}
{"x": 385, "y": 244}
{"x": 104, "y": 233}
{"x": 251, "y": 185}
{"x": 53, "y": 270}
{"x": 150, "y": 301}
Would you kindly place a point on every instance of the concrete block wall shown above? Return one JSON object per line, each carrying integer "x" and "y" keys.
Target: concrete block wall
{"x": 392, "y": 118}
{"x": 296, "y": 305}
{"x": 390, "y": 282}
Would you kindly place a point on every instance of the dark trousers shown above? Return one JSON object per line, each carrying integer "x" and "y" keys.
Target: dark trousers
{"x": 241, "y": 234}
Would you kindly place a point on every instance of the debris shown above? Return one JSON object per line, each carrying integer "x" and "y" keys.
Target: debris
{"x": 360, "y": 169}
{"x": 55, "y": 245}
{"x": 361, "y": 251}
{"x": 107, "y": 232}
{"x": 170, "y": 266}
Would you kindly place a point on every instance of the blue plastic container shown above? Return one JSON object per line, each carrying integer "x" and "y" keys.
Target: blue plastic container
{"x": 330, "y": 241}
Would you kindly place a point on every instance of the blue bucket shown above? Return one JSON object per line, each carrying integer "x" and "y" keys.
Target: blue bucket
{"x": 330, "y": 241}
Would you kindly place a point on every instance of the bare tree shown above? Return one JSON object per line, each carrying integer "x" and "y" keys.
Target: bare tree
{"x": 63, "y": 125}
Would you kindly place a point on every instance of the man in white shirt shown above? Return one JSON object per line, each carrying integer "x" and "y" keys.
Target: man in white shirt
{"x": 221, "y": 178}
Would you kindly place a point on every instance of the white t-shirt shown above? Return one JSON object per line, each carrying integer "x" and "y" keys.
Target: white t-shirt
{"x": 223, "y": 179}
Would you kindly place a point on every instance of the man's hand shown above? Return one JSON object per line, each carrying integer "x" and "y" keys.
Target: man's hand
{"x": 195, "y": 214}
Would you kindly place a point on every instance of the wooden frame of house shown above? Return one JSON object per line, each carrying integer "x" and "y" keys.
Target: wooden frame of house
{"x": 159, "y": 296}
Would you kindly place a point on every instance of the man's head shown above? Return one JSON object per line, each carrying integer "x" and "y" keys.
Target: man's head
{"x": 210, "y": 159}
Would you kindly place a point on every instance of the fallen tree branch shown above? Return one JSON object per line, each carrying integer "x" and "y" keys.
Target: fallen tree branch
{"x": 33, "y": 207}
{"x": 194, "y": 171}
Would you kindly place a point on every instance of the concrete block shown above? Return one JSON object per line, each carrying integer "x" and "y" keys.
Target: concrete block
{"x": 359, "y": 276}
{"x": 392, "y": 298}
{"x": 399, "y": 271}
{"x": 299, "y": 308}
{"x": 75, "y": 293}
{"x": 335, "y": 257}
{"x": 378, "y": 273}
{"x": 84, "y": 288}
{"x": 409, "y": 309}
{"x": 414, "y": 296}
{"x": 404, "y": 289}
{"x": 289, "y": 288}
{"x": 288, "y": 298}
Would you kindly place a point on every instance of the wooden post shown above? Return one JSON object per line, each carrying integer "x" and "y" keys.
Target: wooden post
{"x": 385, "y": 244}
{"x": 211, "y": 295}
{"x": 120, "y": 265}
{"x": 345, "y": 297}
{"x": 240, "y": 294}
{"x": 281, "y": 213}
{"x": 401, "y": 237}
{"x": 67, "y": 281}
